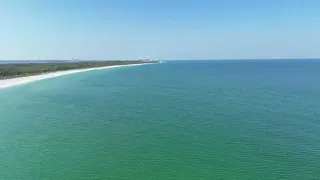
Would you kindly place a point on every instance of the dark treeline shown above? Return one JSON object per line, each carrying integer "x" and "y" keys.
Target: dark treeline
{"x": 19, "y": 70}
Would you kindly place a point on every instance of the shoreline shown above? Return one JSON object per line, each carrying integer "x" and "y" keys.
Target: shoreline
{"x": 7, "y": 83}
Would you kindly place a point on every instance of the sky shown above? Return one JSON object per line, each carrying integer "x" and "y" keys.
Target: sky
{"x": 159, "y": 29}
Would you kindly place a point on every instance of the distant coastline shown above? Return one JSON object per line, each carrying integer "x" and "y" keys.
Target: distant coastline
{"x": 17, "y": 74}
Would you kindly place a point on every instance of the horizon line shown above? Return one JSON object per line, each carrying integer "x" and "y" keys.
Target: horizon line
{"x": 215, "y": 59}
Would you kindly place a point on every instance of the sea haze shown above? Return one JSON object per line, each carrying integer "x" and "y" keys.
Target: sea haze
{"x": 174, "y": 120}
{"x": 35, "y": 61}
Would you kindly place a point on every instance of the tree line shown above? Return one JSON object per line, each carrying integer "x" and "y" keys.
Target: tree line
{"x": 19, "y": 70}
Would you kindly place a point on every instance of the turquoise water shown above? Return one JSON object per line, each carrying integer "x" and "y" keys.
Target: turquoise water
{"x": 176, "y": 120}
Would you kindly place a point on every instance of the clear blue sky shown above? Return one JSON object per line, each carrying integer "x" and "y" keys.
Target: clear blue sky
{"x": 165, "y": 29}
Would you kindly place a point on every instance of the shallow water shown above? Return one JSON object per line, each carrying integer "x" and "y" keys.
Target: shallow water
{"x": 174, "y": 120}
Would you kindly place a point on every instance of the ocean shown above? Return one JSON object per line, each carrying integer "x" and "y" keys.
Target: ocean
{"x": 188, "y": 120}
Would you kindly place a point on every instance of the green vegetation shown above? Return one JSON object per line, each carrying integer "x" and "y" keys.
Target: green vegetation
{"x": 18, "y": 70}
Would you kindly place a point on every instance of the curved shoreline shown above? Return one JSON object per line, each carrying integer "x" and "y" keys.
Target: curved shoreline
{"x": 6, "y": 83}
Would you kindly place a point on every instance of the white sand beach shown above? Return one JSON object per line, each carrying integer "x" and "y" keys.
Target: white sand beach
{"x": 6, "y": 83}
